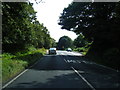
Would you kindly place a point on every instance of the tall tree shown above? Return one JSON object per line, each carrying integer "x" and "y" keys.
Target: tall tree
{"x": 97, "y": 21}
{"x": 65, "y": 42}
{"x": 80, "y": 41}
{"x": 16, "y": 24}
{"x": 21, "y": 28}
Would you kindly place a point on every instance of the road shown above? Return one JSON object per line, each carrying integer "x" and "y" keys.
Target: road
{"x": 66, "y": 70}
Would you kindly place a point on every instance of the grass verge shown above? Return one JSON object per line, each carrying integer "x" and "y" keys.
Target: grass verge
{"x": 82, "y": 50}
{"x": 14, "y": 64}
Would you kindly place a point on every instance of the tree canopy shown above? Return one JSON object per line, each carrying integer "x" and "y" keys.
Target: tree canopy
{"x": 21, "y": 28}
{"x": 80, "y": 41}
{"x": 98, "y": 22}
{"x": 64, "y": 42}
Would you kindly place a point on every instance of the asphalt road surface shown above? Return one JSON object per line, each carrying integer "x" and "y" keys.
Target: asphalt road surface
{"x": 66, "y": 70}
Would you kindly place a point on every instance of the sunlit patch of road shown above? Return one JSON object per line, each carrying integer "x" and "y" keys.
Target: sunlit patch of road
{"x": 59, "y": 52}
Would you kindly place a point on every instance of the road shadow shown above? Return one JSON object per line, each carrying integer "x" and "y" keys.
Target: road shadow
{"x": 52, "y": 71}
{"x": 57, "y": 62}
{"x": 65, "y": 62}
{"x": 68, "y": 80}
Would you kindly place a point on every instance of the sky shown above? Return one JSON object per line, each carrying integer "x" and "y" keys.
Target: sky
{"x": 48, "y": 13}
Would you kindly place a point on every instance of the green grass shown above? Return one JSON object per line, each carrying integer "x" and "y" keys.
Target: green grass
{"x": 83, "y": 50}
{"x": 14, "y": 64}
{"x": 11, "y": 67}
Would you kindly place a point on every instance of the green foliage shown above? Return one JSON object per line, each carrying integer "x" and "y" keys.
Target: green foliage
{"x": 14, "y": 64}
{"x": 80, "y": 41}
{"x": 11, "y": 67}
{"x": 111, "y": 56}
{"x": 65, "y": 42}
{"x": 99, "y": 23}
{"x": 82, "y": 50}
{"x": 30, "y": 48}
{"x": 8, "y": 56}
{"x": 92, "y": 19}
{"x": 16, "y": 29}
{"x": 53, "y": 43}
{"x": 21, "y": 28}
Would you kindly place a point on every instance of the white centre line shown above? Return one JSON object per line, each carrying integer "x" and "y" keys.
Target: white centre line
{"x": 84, "y": 79}
{"x": 65, "y": 60}
{"x": 78, "y": 61}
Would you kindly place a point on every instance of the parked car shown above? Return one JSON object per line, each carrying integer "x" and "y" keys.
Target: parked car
{"x": 52, "y": 51}
{"x": 69, "y": 50}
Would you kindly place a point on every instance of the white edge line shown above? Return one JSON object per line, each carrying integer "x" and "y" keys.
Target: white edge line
{"x": 84, "y": 79}
{"x": 14, "y": 79}
{"x": 107, "y": 67}
{"x": 18, "y": 75}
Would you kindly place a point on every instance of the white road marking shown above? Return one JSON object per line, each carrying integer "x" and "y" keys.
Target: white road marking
{"x": 78, "y": 61}
{"x": 19, "y": 75}
{"x": 107, "y": 67}
{"x": 65, "y": 60}
{"x": 14, "y": 78}
{"x": 72, "y": 61}
{"x": 84, "y": 79}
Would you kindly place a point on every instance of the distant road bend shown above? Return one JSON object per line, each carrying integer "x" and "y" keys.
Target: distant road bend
{"x": 66, "y": 70}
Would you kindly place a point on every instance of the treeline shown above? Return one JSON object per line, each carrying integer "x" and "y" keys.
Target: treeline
{"x": 99, "y": 22}
{"x": 64, "y": 43}
{"x": 24, "y": 39}
{"x": 79, "y": 44}
{"x": 21, "y": 29}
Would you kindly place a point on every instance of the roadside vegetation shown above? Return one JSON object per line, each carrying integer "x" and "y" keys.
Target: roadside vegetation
{"x": 80, "y": 44}
{"x": 64, "y": 43}
{"x": 13, "y": 64}
{"x": 82, "y": 50}
{"x": 24, "y": 40}
{"x": 99, "y": 23}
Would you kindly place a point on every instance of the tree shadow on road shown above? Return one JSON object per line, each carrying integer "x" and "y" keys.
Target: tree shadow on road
{"x": 57, "y": 62}
{"x": 64, "y": 80}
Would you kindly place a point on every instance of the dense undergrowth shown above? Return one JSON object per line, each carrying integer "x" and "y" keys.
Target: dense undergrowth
{"x": 13, "y": 64}
{"x": 109, "y": 58}
{"x": 82, "y": 50}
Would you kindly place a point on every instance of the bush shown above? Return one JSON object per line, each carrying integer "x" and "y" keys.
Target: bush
{"x": 14, "y": 64}
{"x": 30, "y": 48}
{"x": 112, "y": 57}
{"x": 11, "y": 67}
{"x": 83, "y": 50}
{"x": 109, "y": 57}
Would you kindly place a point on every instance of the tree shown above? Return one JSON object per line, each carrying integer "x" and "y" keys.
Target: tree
{"x": 16, "y": 24}
{"x": 98, "y": 22}
{"x": 80, "y": 41}
{"x": 53, "y": 44}
{"x": 21, "y": 28}
{"x": 65, "y": 42}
